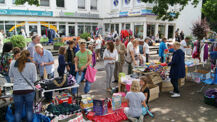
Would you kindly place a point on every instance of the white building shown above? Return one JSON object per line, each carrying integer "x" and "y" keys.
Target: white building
{"x": 73, "y": 17}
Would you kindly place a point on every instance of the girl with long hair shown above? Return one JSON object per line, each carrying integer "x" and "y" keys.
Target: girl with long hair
{"x": 23, "y": 71}
{"x": 110, "y": 56}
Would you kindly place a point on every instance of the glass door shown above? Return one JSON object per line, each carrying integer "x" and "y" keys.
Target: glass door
{"x": 33, "y": 30}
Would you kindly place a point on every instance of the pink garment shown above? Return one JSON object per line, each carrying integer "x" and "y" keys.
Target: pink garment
{"x": 90, "y": 74}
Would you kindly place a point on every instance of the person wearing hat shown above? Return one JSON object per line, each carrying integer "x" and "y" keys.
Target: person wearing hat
{"x": 69, "y": 58}
{"x": 83, "y": 59}
{"x": 121, "y": 49}
{"x": 177, "y": 70}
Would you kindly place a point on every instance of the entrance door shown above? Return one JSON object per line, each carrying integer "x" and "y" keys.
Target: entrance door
{"x": 170, "y": 31}
{"x": 71, "y": 30}
{"x": 33, "y": 30}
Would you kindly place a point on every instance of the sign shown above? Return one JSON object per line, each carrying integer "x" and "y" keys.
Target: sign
{"x": 81, "y": 15}
{"x": 147, "y": 12}
{"x": 123, "y": 14}
{"x": 25, "y": 12}
{"x": 134, "y": 13}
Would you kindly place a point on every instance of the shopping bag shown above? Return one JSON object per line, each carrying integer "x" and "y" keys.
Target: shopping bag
{"x": 90, "y": 74}
{"x": 10, "y": 116}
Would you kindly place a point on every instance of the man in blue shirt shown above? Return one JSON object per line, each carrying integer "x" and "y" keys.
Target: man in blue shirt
{"x": 31, "y": 46}
{"x": 45, "y": 61}
{"x": 162, "y": 47}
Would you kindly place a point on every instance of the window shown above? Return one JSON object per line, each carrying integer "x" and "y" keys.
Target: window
{"x": 150, "y": 30}
{"x": 2, "y": 1}
{"x": 62, "y": 30}
{"x": 60, "y": 3}
{"x": 138, "y": 31}
{"x": 80, "y": 29}
{"x": 106, "y": 27}
{"x": 44, "y": 2}
{"x": 93, "y": 5}
{"x": 81, "y": 4}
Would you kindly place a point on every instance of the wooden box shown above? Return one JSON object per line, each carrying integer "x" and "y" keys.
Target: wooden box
{"x": 166, "y": 86}
{"x": 154, "y": 92}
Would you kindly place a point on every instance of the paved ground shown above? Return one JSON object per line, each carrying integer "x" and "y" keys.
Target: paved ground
{"x": 188, "y": 108}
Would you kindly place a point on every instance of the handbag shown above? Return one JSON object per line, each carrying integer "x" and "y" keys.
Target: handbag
{"x": 90, "y": 74}
{"x": 59, "y": 82}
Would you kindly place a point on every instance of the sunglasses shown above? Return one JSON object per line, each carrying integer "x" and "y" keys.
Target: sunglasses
{"x": 83, "y": 42}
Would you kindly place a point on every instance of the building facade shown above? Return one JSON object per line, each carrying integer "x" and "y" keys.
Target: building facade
{"x": 74, "y": 17}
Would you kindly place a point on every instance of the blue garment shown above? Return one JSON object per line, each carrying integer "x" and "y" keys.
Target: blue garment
{"x": 177, "y": 65}
{"x": 79, "y": 78}
{"x": 162, "y": 47}
{"x": 47, "y": 57}
{"x": 141, "y": 49}
{"x": 61, "y": 67}
{"x": 19, "y": 101}
{"x": 76, "y": 49}
{"x": 31, "y": 49}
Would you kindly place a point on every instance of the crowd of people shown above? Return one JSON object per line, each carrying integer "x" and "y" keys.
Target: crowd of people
{"x": 22, "y": 67}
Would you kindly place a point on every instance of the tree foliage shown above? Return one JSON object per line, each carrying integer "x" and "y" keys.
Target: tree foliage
{"x": 169, "y": 9}
{"x": 30, "y": 2}
{"x": 210, "y": 12}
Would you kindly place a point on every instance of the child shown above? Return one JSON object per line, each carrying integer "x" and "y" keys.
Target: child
{"x": 61, "y": 60}
{"x": 90, "y": 47}
{"x": 136, "y": 100}
{"x": 16, "y": 52}
{"x": 146, "y": 91}
{"x": 144, "y": 87}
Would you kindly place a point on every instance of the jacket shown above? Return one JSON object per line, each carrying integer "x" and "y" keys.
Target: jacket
{"x": 122, "y": 52}
{"x": 177, "y": 65}
{"x": 69, "y": 56}
{"x": 162, "y": 47}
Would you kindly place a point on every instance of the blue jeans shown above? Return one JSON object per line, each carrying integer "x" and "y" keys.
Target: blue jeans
{"x": 7, "y": 78}
{"x": 72, "y": 69}
{"x": 26, "y": 99}
{"x": 79, "y": 78}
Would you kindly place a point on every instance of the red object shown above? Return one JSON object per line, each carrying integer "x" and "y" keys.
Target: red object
{"x": 63, "y": 99}
{"x": 112, "y": 116}
{"x": 126, "y": 43}
{"x": 163, "y": 64}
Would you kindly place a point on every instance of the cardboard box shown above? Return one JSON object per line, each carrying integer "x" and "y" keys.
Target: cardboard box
{"x": 154, "y": 92}
{"x": 166, "y": 86}
{"x": 155, "y": 78}
{"x": 181, "y": 82}
{"x": 100, "y": 106}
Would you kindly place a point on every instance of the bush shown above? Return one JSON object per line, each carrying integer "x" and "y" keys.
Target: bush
{"x": 85, "y": 36}
{"x": 58, "y": 44}
{"x": 18, "y": 41}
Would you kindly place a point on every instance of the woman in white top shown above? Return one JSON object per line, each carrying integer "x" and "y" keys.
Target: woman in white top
{"x": 133, "y": 56}
{"x": 146, "y": 49}
{"x": 110, "y": 56}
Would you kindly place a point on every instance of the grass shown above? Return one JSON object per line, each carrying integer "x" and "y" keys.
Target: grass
{"x": 28, "y": 40}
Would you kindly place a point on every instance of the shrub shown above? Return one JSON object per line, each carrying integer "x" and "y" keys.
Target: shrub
{"x": 58, "y": 44}
{"x": 18, "y": 41}
{"x": 85, "y": 36}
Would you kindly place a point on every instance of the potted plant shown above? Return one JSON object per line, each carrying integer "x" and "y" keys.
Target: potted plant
{"x": 85, "y": 36}
{"x": 18, "y": 41}
{"x": 57, "y": 45}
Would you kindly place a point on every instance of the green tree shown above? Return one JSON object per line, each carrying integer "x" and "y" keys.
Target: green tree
{"x": 30, "y": 2}
{"x": 210, "y": 13}
{"x": 164, "y": 8}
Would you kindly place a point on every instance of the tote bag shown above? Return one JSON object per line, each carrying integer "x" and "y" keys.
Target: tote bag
{"x": 90, "y": 74}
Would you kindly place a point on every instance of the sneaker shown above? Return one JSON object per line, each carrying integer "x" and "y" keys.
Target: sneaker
{"x": 171, "y": 92}
{"x": 175, "y": 95}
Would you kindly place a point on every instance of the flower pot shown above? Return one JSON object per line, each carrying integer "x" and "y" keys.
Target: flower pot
{"x": 56, "y": 47}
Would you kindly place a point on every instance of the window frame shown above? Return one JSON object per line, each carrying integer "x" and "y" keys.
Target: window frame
{"x": 82, "y": 8}
{"x": 44, "y": 5}
{"x": 60, "y": 6}
{"x": 95, "y": 8}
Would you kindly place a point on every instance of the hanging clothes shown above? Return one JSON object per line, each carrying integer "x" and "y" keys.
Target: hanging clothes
{"x": 206, "y": 51}
{"x": 202, "y": 53}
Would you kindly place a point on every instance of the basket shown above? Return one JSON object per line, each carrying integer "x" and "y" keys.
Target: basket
{"x": 210, "y": 101}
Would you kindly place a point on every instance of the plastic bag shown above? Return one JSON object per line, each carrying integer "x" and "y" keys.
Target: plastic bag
{"x": 90, "y": 74}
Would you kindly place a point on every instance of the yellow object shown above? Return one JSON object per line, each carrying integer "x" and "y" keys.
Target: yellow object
{"x": 41, "y": 23}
